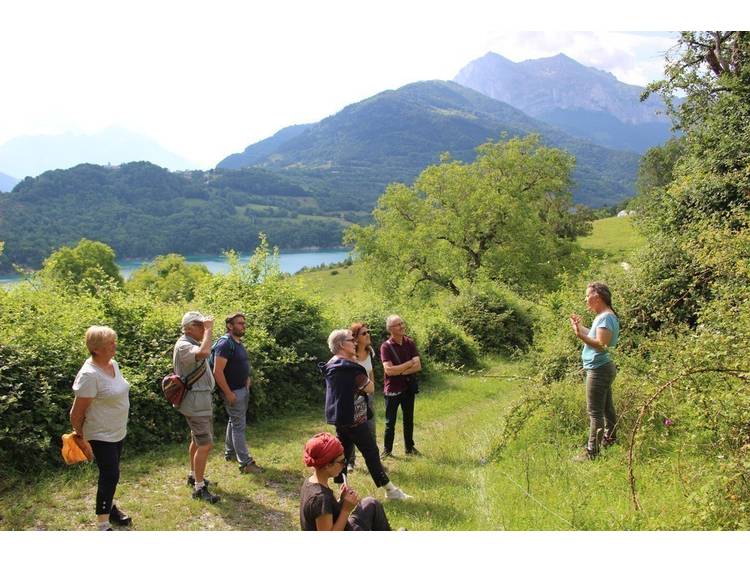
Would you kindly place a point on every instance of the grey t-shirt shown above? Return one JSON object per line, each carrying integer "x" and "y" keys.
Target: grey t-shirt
{"x": 107, "y": 416}
{"x": 197, "y": 402}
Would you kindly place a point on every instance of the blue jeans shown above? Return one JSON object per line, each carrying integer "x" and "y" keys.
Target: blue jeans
{"x": 599, "y": 404}
{"x": 234, "y": 442}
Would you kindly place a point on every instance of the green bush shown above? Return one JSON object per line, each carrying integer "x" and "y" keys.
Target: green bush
{"x": 496, "y": 318}
{"x": 42, "y": 348}
{"x": 443, "y": 342}
{"x": 169, "y": 278}
{"x": 286, "y": 335}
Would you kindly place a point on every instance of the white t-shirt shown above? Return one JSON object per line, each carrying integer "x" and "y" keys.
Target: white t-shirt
{"x": 367, "y": 364}
{"x": 107, "y": 416}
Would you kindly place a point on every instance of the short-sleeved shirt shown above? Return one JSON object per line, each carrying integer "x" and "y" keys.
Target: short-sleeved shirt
{"x": 107, "y": 416}
{"x": 317, "y": 500}
{"x": 237, "y": 369}
{"x": 345, "y": 383}
{"x": 593, "y": 359}
{"x": 197, "y": 402}
{"x": 397, "y": 354}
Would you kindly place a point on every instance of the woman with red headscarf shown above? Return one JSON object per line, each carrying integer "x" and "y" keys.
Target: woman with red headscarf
{"x": 319, "y": 510}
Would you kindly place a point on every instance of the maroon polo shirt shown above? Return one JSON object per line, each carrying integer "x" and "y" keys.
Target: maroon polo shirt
{"x": 403, "y": 353}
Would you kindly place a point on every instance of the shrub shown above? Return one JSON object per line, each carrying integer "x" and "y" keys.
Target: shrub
{"x": 169, "y": 278}
{"x": 286, "y": 330}
{"x": 497, "y": 319}
{"x": 443, "y": 342}
{"x": 42, "y": 348}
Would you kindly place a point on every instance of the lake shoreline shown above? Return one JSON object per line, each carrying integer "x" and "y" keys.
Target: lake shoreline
{"x": 291, "y": 261}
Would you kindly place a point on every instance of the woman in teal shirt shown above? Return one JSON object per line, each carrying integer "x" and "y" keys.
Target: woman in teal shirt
{"x": 600, "y": 370}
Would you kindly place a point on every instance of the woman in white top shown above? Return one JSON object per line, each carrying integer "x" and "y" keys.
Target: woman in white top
{"x": 364, "y": 354}
{"x": 100, "y": 416}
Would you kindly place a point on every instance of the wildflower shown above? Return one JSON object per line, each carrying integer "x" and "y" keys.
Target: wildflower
{"x": 668, "y": 422}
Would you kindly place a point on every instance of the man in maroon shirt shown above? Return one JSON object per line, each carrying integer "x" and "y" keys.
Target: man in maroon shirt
{"x": 401, "y": 363}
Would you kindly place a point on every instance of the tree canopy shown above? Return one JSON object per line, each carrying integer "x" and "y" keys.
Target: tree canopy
{"x": 504, "y": 217}
{"x": 88, "y": 265}
{"x": 170, "y": 278}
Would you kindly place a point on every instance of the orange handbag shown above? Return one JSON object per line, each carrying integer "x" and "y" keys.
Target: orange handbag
{"x": 71, "y": 451}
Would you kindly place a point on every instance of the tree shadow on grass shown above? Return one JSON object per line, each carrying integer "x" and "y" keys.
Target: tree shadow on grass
{"x": 242, "y": 513}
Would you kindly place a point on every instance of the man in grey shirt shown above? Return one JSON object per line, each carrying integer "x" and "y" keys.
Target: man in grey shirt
{"x": 190, "y": 355}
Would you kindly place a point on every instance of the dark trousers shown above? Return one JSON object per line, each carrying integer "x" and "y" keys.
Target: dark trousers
{"x": 406, "y": 401}
{"x": 599, "y": 404}
{"x": 369, "y": 515}
{"x": 370, "y": 424}
{"x": 360, "y": 436}
{"x": 107, "y": 456}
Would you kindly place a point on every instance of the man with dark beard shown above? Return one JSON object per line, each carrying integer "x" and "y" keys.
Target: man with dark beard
{"x": 232, "y": 374}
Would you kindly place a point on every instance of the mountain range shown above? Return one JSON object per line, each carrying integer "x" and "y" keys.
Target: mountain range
{"x": 308, "y": 182}
{"x": 393, "y": 135}
{"x": 34, "y": 154}
{"x": 581, "y": 100}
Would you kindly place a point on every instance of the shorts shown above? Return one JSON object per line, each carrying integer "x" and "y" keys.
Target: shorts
{"x": 201, "y": 429}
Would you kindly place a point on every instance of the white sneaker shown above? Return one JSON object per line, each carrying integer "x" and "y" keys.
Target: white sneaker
{"x": 397, "y": 494}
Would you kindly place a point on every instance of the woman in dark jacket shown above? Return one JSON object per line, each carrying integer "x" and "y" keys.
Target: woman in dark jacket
{"x": 347, "y": 386}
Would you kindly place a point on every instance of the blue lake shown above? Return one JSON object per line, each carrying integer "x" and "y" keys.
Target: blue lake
{"x": 290, "y": 262}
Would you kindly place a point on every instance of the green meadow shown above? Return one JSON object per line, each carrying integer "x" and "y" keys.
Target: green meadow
{"x": 459, "y": 484}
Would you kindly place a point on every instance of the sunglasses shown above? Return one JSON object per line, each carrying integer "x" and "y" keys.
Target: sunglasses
{"x": 342, "y": 462}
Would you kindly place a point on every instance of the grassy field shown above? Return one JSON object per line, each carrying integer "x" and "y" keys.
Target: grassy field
{"x": 458, "y": 484}
{"x": 613, "y": 238}
{"x": 462, "y": 482}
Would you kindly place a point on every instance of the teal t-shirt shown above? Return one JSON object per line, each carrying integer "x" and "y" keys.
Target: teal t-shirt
{"x": 592, "y": 358}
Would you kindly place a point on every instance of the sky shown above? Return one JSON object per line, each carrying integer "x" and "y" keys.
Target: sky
{"x": 206, "y": 79}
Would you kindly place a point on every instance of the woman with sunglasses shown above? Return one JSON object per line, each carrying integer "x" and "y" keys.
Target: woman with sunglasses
{"x": 347, "y": 384}
{"x": 364, "y": 355}
{"x": 319, "y": 510}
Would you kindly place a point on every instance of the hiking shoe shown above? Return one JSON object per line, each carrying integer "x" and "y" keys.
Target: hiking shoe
{"x": 205, "y": 495}
{"x": 397, "y": 494}
{"x": 251, "y": 468}
{"x": 609, "y": 441}
{"x": 191, "y": 481}
{"x": 118, "y": 517}
{"x": 385, "y": 455}
{"x": 585, "y": 455}
{"x": 413, "y": 452}
{"x": 230, "y": 457}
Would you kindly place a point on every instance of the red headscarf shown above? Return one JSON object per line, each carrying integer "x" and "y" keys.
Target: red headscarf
{"x": 322, "y": 449}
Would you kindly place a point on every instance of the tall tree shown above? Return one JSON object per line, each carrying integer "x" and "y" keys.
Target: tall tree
{"x": 503, "y": 217}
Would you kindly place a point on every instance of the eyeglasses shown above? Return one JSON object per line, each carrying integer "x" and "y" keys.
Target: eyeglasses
{"x": 349, "y": 339}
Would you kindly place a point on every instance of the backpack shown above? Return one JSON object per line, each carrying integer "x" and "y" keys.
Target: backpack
{"x": 232, "y": 348}
{"x": 174, "y": 386}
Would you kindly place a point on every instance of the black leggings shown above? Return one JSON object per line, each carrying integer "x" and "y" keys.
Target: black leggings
{"x": 360, "y": 436}
{"x": 107, "y": 456}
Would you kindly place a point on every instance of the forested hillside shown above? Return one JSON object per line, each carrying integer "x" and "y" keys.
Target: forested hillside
{"x": 142, "y": 210}
{"x": 393, "y": 135}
